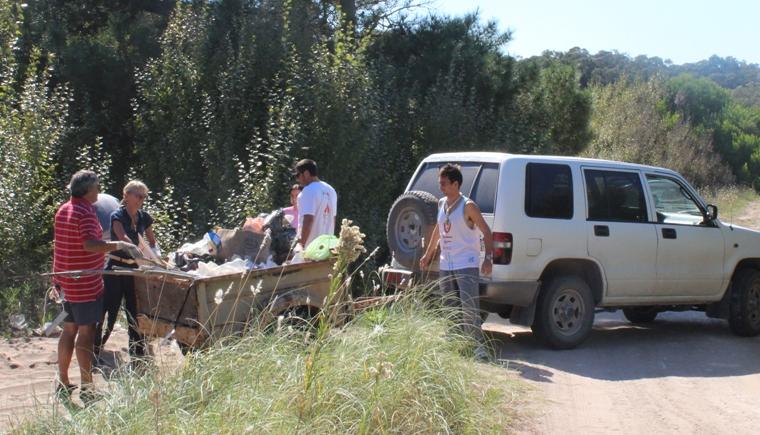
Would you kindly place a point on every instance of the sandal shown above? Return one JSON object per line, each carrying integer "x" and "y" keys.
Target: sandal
{"x": 63, "y": 391}
{"x": 88, "y": 395}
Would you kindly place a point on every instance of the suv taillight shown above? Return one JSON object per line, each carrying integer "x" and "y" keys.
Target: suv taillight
{"x": 502, "y": 248}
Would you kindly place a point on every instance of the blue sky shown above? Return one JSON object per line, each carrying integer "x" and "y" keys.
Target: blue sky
{"x": 679, "y": 30}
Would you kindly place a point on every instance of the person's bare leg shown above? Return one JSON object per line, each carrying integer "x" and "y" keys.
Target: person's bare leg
{"x": 65, "y": 351}
{"x": 84, "y": 350}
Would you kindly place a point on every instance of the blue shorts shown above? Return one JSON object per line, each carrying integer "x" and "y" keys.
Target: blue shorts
{"x": 84, "y": 313}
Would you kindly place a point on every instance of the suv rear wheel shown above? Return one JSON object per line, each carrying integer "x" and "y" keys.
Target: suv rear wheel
{"x": 565, "y": 312}
{"x": 412, "y": 218}
{"x": 744, "y": 309}
{"x": 640, "y": 314}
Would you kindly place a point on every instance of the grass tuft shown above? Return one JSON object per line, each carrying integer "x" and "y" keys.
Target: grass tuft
{"x": 396, "y": 369}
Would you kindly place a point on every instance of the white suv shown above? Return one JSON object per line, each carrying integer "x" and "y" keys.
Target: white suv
{"x": 572, "y": 235}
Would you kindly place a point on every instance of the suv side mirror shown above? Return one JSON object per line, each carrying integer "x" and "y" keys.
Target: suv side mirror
{"x": 712, "y": 212}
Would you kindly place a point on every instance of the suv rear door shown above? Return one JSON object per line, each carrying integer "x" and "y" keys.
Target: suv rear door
{"x": 619, "y": 234}
{"x": 690, "y": 253}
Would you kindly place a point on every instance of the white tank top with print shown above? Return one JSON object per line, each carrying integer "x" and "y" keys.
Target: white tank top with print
{"x": 460, "y": 244}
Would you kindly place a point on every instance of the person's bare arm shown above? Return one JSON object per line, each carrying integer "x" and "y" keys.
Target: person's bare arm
{"x": 430, "y": 250}
{"x": 150, "y": 236}
{"x": 308, "y": 222}
{"x": 472, "y": 212}
{"x": 97, "y": 245}
{"x": 122, "y": 243}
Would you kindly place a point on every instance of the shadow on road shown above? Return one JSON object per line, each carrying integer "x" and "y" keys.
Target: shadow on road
{"x": 677, "y": 344}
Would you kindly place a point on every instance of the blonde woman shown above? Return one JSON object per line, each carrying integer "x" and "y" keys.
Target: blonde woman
{"x": 127, "y": 223}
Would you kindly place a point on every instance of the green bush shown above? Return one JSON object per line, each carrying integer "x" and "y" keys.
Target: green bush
{"x": 33, "y": 121}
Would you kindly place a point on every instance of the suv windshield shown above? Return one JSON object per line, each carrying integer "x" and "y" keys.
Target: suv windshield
{"x": 479, "y": 182}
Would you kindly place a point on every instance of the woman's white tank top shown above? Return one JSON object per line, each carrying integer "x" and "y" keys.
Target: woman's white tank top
{"x": 460, "y": 244}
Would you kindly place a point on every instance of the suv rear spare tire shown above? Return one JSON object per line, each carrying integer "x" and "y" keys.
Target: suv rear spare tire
{"x": 412, "y": 218}
{"x": 565, "y": 312}
{"x": 744, "y": 309}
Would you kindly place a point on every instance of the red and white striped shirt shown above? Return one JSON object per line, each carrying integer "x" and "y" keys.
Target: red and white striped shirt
{"x": 75, "y": 222}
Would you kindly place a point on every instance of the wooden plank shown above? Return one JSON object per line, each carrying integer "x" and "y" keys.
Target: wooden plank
{"x": 224, "y": 305}
{"x": 201, "y": 301}
{"x": 163, "y": 297}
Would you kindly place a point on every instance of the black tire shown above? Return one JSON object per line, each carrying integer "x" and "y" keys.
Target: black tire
{"x": 565, "y": 312}
{"x": 412, "y": 217}
{"x": 301, "y": 318}
{"x": 483, "y": 316}
{"x": 744, "y": 308}
{"x": 640, "y": 314}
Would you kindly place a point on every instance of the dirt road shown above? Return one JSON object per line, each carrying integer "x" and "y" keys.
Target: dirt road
{"x": 28, "y": 366}
{"x": 682, "y": 374}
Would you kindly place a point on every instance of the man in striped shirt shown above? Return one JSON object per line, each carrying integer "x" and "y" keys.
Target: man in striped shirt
{"x": 79, "y": 247}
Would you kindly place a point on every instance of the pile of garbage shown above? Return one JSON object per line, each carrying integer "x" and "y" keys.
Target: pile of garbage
{"x": 262, "y": 242}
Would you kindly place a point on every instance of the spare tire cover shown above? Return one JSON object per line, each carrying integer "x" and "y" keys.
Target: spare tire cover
{"x": 412, "y": 218}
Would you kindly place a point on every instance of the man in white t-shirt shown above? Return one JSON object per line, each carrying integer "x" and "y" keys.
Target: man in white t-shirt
{"x": 317, "y": 204}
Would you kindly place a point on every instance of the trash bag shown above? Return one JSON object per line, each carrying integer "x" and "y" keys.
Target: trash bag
{"x": 320, "y": 248}
{"x": 282, "y": 236}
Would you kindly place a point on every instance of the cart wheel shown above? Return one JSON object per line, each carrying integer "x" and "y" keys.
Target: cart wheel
{"x": 300, "y": 318}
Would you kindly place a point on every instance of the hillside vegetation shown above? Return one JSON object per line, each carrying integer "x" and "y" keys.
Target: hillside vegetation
{"x": 210, "y": 103}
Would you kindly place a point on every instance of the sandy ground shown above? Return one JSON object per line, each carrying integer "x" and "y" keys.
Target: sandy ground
{"x": 749, "y": 218}
{"x": 29, "y": 367}
{"x": 683, "y": 374}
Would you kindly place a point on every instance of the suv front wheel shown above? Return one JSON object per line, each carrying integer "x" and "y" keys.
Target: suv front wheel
{"x": 565, "y": 312}
{"x": 744, "y": 309}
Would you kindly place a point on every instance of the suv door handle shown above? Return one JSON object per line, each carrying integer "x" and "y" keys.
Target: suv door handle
{"x": 601, "y": 230}
{"x": 669, "y": 233}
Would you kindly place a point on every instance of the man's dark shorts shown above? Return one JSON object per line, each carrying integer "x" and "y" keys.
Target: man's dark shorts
{"x": 84, "y": 313}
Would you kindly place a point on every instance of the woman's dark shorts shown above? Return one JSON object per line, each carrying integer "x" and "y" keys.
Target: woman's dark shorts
{"x": 84, "y": 313}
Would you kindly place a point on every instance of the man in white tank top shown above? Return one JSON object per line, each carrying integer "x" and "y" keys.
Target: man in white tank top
{"x": 457, "y": 234}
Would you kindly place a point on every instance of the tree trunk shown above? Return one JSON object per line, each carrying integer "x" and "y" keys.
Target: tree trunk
{"x": 348, "y": 9}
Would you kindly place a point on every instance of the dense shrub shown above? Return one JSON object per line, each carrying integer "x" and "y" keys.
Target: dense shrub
{"x": 630, "y": 123}
{"x": 33, "y": 120}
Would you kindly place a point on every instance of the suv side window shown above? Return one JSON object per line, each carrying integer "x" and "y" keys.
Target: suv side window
{"x": 673, "y": 203}
{"x": 479, "y": 182}
{"x": 484, "y": 191}
{"x": 548, "y": 191}
{"x": 615, "y": 196}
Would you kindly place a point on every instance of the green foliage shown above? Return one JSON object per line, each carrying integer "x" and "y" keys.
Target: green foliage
{"x": 171, "y": 217}
{"x": 607, "y": 67}
{"x": 700, "y": 101}
{"x": 98, "y": 45}
{"x": 210, "y": 103}
{"x": 630, "y": 124}
{"x": 551, "y": 110}
{"x": 33, "y": 121}
{"x": 747, "y": 95}
{"x": 94, "y": 158}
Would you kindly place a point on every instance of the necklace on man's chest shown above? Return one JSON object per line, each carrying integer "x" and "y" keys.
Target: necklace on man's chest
{"x": 447, "y": 210}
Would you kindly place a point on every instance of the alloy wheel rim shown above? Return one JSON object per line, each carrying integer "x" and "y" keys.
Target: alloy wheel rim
{"x": 410, "y": 230}
{"x": 568, "y": 311}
